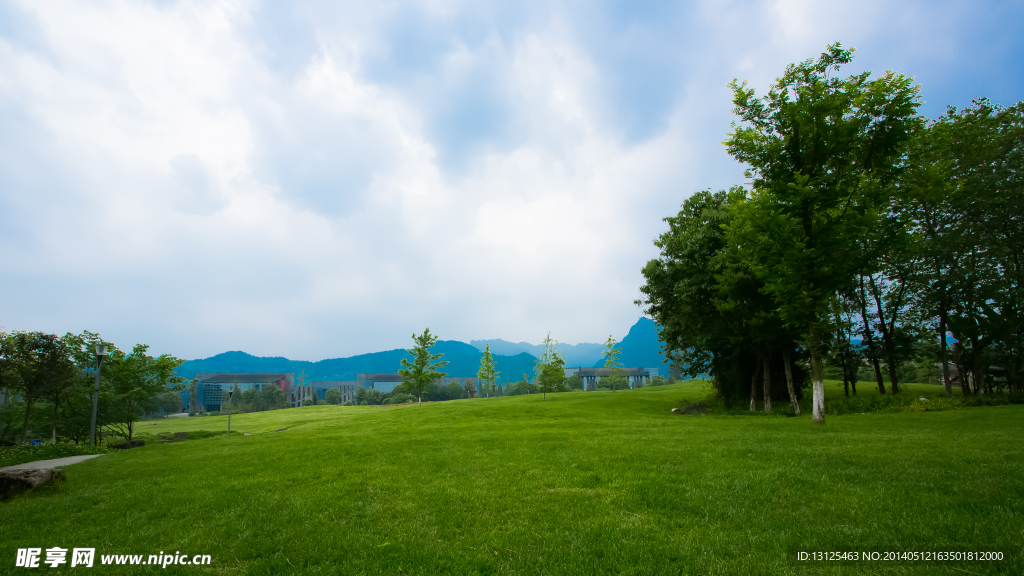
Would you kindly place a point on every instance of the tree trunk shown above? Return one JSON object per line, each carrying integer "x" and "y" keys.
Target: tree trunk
{"x": 753, "y": 385}
{"x": 846, "y": 377}
{"x": 945, "y": 351}
{"x": 978, "y": 370}
{"x": 817, "y": 376}
{"x": 28, "y": 410}
{"x": 867, "y": 336}
{"x": 766, "y": 362}
{"x": 789, "y": 381}
{"x": 887, "y": 343}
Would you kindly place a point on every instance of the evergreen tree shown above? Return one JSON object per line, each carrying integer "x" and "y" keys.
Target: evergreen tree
{"x": 418, "y": 375}
{"x": 487, "y": 374}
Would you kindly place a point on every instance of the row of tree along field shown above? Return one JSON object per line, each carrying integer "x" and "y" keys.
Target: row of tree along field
{"x": 48, "y": 383}
{"x": 870, "y": 241}
{"x": 421, "y": 376}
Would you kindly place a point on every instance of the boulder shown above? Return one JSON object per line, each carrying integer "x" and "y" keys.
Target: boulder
{"x": 181, "y": 435}
{"x": 14, "y": 482}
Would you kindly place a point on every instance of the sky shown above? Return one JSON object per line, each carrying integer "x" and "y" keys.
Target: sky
{"x": 322, "y": 179}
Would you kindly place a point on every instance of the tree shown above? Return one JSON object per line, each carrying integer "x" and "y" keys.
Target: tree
{"x": 550, "y": 368}
{"x": 822, "y": 152}
{"x": 487, "y": 374}
{"x": 616, "y": 375}
{"x": 419, "y": 374}
{"x": 136, "y": 380}
{"x": 271, "y": 397}
{"x": 333, "y": 396}
{"x": 37, "y": 366}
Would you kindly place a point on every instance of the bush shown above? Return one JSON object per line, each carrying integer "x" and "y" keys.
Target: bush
{"x": 349, "y": 403}
{"x": 400, "y": 398}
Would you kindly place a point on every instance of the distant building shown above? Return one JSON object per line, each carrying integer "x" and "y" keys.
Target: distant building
{"x": 213, "y": 385}
{"x": 636, "y": 377}
{"x": 383, "y": 381}
{"x": 347, "y": 389}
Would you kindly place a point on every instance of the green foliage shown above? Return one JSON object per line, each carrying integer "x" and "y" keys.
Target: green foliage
{"x": 332, "y": 396}
{"x": 615, "y": 379}
{"x": 550, "y": 368}
{"x": 400, "y": 398}
{"x": 523, "y": 386}
{"x": 822, "y": 152}
{"x": 487, "y": 374}
{"x": 135, "y": 382}
{"x": 574, "y": 382}
{"x": 369, "y": 396}
{"x": 418, "y": 375}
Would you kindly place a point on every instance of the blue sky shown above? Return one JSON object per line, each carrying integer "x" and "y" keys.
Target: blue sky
{"x": 321, "y": 179}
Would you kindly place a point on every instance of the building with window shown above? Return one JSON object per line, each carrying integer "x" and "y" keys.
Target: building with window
{"x": 636, "y": 377}
{"x": 347, "y": 389}
{"x": 213, "y": 385}
{"x": 383, "y": 381}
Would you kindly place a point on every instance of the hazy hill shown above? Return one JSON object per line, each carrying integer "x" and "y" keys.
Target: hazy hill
{"x": 464, "y": 360}
{"x": 640, "y": 347}
{"x": 583, "y": 354}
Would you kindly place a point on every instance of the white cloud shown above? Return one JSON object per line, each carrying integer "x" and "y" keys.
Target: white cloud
{"x": 219, "y": 183}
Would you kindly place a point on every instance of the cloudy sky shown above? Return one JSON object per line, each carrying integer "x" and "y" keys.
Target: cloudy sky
{"x": 322, "y": 179}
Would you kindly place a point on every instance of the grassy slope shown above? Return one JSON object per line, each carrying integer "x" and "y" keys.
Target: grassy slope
{"x": 582, "y": 483}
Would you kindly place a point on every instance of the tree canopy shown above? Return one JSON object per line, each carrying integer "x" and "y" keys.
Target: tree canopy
{"x": 418, "y": 375}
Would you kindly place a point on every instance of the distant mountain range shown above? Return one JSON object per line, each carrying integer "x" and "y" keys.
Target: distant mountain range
{"x": 640, "y": 347}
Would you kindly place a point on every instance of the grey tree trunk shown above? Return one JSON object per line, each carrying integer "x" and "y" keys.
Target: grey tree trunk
{"x": 887, "y": 342}
{"x": 753, "y": 385}
{"x": 789, "y": 381}
{"x": 817, "y": 375}
{"x": 867, "y": 336}
{"x": 766, "y": 362}
{"x": 945, "y": 352}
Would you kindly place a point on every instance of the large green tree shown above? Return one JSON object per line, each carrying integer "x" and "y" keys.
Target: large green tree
{"x": 136, "y": 381}
{"x": 418, "y": 375}
{"x": 37, "y": 366}
{"x": 822, "y": 152}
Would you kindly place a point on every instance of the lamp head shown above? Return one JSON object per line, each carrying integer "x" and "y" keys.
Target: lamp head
{"x": 101, "y": 349}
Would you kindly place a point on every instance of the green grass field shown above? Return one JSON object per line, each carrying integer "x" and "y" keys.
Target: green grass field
{"x": 584, "y": 483}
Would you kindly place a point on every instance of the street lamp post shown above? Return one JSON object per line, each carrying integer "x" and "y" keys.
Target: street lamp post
{"x": 230, "y": 392}
{"x": 101, "y": 351}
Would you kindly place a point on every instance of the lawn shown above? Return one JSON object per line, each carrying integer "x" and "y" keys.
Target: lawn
{"x": 583, "y": 483}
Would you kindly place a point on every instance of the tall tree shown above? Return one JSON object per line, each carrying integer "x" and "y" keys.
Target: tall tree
{"x": 418, "y": 375}
{"x": 37, "y": 366}
{"x": 550, "y": 368}
{"x": 821, "y": 151}
{"x": 487, "y": 374}
{"x": 612, "y": 365}
{"x": 136, "y": 380}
